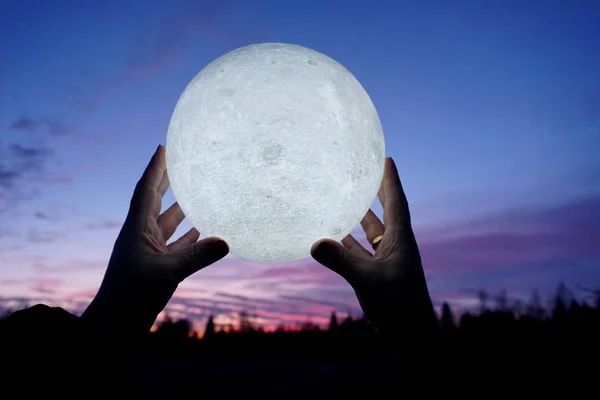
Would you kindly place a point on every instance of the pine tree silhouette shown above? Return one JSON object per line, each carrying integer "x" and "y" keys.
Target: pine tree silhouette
{"x": 333, "y": 323}
{"x": 534, "y": 308}
{"x": 483, "y": 298}
{"x": 245, "y": 325}
{"x": 502, "y": 301}
{"x": 171, "y": 328}
{"x": 447, "y": 320}
{"x": 209, "y": 329}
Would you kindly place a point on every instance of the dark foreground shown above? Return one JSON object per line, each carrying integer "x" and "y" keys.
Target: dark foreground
{"x": 172, "y": 368}
{"x": 538, "y": 353}
{"x": 347, "y": 369}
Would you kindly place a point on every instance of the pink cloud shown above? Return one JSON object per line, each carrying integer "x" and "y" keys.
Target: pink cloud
{"x": 291, "y": 293}
{"x": 81, "y": 295}
{"x": 47, "y": 266}
{"x": 47, "y": 286}
{"x": 13, "y": 282}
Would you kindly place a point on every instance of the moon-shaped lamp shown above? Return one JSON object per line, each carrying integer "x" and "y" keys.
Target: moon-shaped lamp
{"x": 272, "y": 147}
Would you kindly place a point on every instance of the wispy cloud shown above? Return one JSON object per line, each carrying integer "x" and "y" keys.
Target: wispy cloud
{"x": 102, "y": 224}
{"x": 52, "y": 126}
{"x": 564, "y": 232}
{"x": 227, "y": 308}
{"x": 28, "y": 162}
{"x": 27, "y": 151}
{"x": 46, "y": 287}
{"x": 52, "y": 225}
{"x": 44, "y": 236}
{"x": 19, "y": 162}
{"x": 63, "y": 267}
{"x": 162, "y": 47}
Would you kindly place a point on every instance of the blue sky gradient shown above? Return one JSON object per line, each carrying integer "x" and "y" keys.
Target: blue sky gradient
{"x": 491, "y": 110}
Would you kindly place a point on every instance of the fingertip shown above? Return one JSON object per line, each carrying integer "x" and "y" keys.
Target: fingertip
{"x": 157, "y": 151}
{"x": 159, "y": 155}
{"x": 319, "y": 246}
{"x": 160, "y": 152}
{"x": 331, "y": 255}
{"x": 220, "y": 246}
{"x": 328, "y": 252}
{"x": 391, "y": 177}
{"x": 390, "y": 164}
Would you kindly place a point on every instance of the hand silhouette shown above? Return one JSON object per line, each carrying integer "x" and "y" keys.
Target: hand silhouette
{"x": 144, "y": 271}
{"x": 389, "y": 284}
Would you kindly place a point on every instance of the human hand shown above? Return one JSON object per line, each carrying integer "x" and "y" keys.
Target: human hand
{"x": 389, "y": 284}
{"x": 143, "y": 271}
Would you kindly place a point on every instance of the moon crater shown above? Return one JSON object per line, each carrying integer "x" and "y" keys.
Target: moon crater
{"x": 272, "y": 153}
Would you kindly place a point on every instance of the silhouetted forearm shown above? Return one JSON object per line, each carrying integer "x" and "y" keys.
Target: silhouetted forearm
{"x": 395, "y": 319}
{"x": 124, "y": 310}
{"x": 116, "y": 319}
{"x": 416, "y": 321}
{"x": 401, "y": 311}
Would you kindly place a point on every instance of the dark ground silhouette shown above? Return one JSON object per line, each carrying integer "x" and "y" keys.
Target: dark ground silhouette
{"x": 498, "y": 319}
{"x": 516, "y": 344}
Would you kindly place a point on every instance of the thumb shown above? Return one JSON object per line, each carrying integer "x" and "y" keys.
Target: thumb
{"x": 199, "y": 255}
{"x": 334, "y": 256}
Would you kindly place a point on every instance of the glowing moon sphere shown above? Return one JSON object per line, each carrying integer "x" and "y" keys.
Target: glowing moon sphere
{"x": 272, "y": 147}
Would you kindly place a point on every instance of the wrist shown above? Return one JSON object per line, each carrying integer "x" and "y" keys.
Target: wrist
{"x": 400, "y": 311}
{"x": 112, "y": 316}
{"x": 128, "y": 305}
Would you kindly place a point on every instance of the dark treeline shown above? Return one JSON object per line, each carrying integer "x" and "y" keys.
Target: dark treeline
{"x": 503, "y": 341}
{"x": 565, "y": 324}
{"x": 496, "y": 316}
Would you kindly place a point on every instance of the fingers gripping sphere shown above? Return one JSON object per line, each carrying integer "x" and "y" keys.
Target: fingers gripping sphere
{"x": 273, "y": 147}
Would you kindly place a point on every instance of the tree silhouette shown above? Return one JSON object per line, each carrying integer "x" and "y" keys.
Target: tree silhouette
{"x": 502, "y": 301}
{"x": 566, "y": 317}
{"x": 560, "y": 302}
{"x": 447, "y": 320}
{"x": 535, "y": 309}
{"x": 333, "y": 323}
{"x": 347, "y": 324}
{"x": 245, "y": 324}
{"x": 483, "y": 298}
{"x": 172, "y": 328}
{"x": 209, "y": 329}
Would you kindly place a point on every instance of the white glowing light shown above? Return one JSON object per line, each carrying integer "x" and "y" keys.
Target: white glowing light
{"x": 273, "y": 146}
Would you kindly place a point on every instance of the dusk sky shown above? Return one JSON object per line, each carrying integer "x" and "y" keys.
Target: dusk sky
{"x": 491, "y": 110}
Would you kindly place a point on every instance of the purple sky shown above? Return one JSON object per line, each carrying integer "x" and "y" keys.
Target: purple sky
{"x": 491, "y": 110}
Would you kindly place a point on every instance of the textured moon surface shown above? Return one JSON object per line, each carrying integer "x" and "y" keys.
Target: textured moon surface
{"x": 272, "y": 147}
